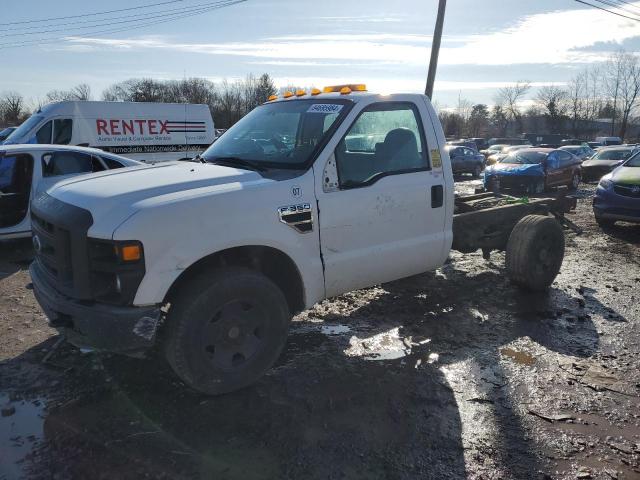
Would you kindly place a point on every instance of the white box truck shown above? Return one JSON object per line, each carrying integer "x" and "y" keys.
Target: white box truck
{"x": 307, "y": 197}
{"x": 148, "y": 132}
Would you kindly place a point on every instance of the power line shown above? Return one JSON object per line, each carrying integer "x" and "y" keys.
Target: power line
{"x": 67, "y": 38}
{"x": 631, "y": 5}
{"x": 149, "y": 5}
{"x": 608, "y": 11}
{"x": 610, "y": 3}
{"x": 131, "y": 19}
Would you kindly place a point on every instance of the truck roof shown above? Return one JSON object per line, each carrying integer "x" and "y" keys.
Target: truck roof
{"x": 354, "y": 96}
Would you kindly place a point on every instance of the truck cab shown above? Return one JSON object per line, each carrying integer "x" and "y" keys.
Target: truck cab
{"x": 313, "y": 194}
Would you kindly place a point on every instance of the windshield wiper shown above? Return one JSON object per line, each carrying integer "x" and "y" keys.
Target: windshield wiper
{"x": 238, "y": 162}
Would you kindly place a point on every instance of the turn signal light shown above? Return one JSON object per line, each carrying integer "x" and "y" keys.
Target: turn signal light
{"x": 130, "y": 253}
{"x": 300, "y": 93}
{"x": 288, "y": 94}
{"x": 272, "y": 98}
{"x": 316, "y": 91}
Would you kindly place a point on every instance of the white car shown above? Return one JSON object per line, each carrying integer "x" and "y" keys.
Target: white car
{"x": 27, "y": 170}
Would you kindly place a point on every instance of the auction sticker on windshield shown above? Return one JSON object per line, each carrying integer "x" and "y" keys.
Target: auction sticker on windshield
{"x": 325, "y": 108}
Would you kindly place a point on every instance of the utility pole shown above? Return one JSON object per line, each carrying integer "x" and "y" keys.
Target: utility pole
{"x": 435, "y": 48}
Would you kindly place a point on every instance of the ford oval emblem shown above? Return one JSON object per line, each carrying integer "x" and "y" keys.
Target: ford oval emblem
{"x": 37, "y": 245}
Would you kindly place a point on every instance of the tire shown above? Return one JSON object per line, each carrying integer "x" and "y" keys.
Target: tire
{"x": 535, "y": 251}
{"x": 605, "y": 223}
{"x": 575, "y": 181}
{"x": 225, "y": 329}
{"x": 477, "y": 171}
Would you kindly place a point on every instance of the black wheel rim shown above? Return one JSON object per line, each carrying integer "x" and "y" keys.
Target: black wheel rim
{"x": 234, "y": 335}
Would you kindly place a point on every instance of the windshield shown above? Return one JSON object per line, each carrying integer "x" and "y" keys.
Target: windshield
{"x": 496, "y": 148}
{"x": 279, "y": 135}
{"x": 524, "y": 158}
{"x": 615, "y": 154}
{"x": 634, "y": 161}
{"x": 23, "y": 129}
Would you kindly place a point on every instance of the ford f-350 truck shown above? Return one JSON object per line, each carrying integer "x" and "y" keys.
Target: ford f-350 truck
{"x": 311, "y": 195}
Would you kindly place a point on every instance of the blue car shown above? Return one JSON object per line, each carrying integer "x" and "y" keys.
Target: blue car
{"x": 533, "y": 170}
{"x": 618, "y": 194}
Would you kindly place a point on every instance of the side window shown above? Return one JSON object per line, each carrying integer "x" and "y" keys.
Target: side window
{"x": 553, "y": 161}
{"x": 468, "y": 152}
{"x": 62, "y": 131}
{"x": 111, "y": 163}
{"x": 384, "y": 139}
{"x": 44, "y": 134}
{"x": 566, "y": 159}
{"x": 67, "y": 163}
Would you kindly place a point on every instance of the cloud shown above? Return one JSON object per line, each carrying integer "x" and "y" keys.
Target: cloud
{"x": 560, "y": 37}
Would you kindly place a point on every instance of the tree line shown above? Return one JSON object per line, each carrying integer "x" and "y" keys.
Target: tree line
{"x": 229, "y": 101}
{"x": 610, "y": 90}
{"x": 602, "y": 99}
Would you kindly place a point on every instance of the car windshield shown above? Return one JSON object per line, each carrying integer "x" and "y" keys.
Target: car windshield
{"x": 279, "y": 135}
{"x": 23, "y": 129}
{"x": 634, "y": 161}
{"x": 524, "y": 158}
{"x": 614, "y": 154}
{"x": 497, "y": 148}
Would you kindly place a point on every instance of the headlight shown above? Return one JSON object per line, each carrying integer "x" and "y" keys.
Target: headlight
{"x": 606, "y": 184}
{"x": 116, "y": 270}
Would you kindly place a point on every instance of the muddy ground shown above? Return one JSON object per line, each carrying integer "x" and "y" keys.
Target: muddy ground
{"x": 452, "y": 374}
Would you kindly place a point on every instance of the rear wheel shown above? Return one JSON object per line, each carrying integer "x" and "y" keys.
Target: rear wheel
{"x": 225, "y": 329}
{"x": 535, "y": 251}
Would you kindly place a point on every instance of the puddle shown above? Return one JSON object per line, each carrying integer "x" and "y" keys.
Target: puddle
{"x": 335, "y": 329}
{"x": 521, "y": 358}
{"x": 383, "y": 346}
{"x": 18, "y": 434}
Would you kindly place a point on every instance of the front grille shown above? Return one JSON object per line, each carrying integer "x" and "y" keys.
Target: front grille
{"x": 627, "y": 190}
{"x": 53, "y": 251}
{"x": 60, "y": 239}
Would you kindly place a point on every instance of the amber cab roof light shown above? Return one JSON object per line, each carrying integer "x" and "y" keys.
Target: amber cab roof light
{"x": 346, "y": 89}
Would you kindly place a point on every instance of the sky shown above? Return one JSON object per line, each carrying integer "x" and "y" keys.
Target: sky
{"x": 486, "y": 45}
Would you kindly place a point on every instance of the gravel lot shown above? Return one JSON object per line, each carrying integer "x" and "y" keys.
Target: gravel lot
{"x": 452, "y": 374}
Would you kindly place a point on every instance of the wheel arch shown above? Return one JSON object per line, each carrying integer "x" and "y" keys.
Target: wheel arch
{"x": 273, "y": 263}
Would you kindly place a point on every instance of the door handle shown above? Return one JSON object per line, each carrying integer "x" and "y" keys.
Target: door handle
{"x": 437, "y": 196}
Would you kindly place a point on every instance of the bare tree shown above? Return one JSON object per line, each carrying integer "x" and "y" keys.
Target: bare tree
{"x": 553, "y": 101}
{"x": 12, "y": 106}
{"x": 629, "y": 88}
{"x": 80, "y": 92}
{"x": 509, "y": 98}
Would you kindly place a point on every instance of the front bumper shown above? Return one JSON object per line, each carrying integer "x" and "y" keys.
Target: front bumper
{"x": 609, "y": 205}
{"x": 594, "y": 173}
{"x": 126, "y": 330}
{"x": 514, "y": 183}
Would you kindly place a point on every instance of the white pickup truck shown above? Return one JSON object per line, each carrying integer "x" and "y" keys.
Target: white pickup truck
{"x": 309, "y": 196}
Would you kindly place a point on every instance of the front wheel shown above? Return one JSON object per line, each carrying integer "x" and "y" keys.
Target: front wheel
{"x": 575, "y": 181}
{"x": 225, "y": 329}
{"x": 535, "y": 251}
{"x": 605, "y": 223}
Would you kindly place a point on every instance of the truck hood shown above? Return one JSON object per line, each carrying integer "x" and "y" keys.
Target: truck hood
{"x": 515, "y": 169}
{"x": 115, "y": 195}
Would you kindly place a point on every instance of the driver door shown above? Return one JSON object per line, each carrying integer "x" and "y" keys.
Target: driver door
{"x": 381, "y": 204}
{"x": 16, "y": 172}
